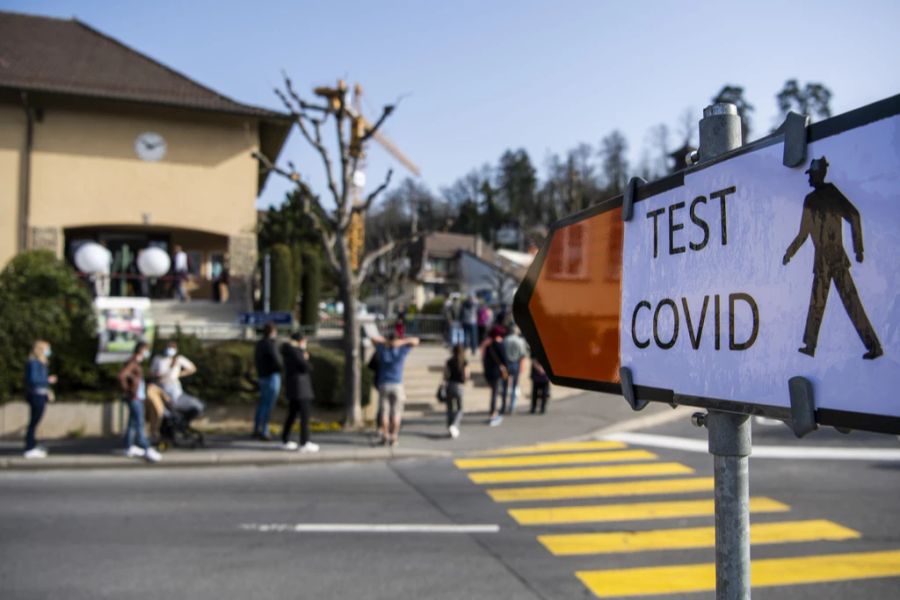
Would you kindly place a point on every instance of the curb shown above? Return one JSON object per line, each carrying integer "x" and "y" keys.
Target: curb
{"x": 216, "y": 459}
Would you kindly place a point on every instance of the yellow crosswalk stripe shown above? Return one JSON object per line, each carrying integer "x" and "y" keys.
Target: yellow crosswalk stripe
{"x": 554, "y": 459}
{"x": 573, "y": 473}
{"x": 603, "y": 490}
{"x": 696, "y": 537}
{"x": 768, "y": 572}
{"x": 560, "y": 447}
{"x": 639, "y": 511}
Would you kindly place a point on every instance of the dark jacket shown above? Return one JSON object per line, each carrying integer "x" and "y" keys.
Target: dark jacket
{"x": 267, "y": 360}
{"x": 494, "y": 357}
{"x": 297, "y": 373}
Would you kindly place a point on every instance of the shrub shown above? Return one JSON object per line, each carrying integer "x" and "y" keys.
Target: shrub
{"x": 284, "y": 291}
{"x": 328, "y": 377}
{"x": 226, "y": 372}
{"x": 312, "y": 287}
{"x": 435, "y": 306}
{"x": 42, "y": 298}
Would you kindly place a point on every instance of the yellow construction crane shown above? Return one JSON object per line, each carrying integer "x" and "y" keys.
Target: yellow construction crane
{"x": 359, "y": 128}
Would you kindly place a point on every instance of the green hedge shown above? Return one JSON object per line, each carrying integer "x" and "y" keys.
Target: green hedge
{"x": 435, "y": 306}
{"x": 226, "y": 373}
{"x": 284, "y": 290}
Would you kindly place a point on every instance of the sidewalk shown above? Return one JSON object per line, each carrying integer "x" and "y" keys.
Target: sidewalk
{"x": 422, "y": 436}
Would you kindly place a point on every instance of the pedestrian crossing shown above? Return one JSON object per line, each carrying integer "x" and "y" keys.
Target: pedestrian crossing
{"x": 614, "y": 501}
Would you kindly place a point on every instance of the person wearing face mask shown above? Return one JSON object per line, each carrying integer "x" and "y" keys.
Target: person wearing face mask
{"x": 299, "y": 391}
{"x": 131, "y": 379}
{"x": 37, "y": 390}
{"x": 168, "y": 370}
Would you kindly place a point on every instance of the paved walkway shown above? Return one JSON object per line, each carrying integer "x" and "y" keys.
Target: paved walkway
{"x": 425, "y": 435}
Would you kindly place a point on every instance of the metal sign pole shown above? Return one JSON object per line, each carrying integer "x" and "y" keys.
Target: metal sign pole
{"x": 729, "y": 434}
{"x": 267, "y": 281}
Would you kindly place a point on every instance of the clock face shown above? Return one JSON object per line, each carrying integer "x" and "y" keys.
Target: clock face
{"x": 150, "y": 146}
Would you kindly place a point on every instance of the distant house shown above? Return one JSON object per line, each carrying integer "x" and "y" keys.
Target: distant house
{"x": 99, "y": 142}
{"x": 442, "y": 263}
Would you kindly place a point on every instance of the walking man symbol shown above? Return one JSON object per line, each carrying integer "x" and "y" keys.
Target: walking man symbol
{"x": 824, "y": 210}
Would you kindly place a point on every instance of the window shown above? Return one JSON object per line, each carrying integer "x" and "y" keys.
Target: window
{"x": 569, "y": 253}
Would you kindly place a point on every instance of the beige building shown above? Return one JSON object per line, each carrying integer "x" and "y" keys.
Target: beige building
{"x": 99, "y": 142}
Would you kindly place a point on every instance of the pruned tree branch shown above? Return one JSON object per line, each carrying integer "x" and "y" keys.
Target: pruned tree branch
{"x": 370, "y": 199}
{"x": 369, "y": 259}
{"x": 385, "y": 113}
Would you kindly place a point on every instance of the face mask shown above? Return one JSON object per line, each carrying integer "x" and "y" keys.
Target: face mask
{"x": 47, "y": 353}
{"x": 171, "y": 351}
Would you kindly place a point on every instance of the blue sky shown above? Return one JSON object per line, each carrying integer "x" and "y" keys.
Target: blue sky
{"x": 478, "y": 77}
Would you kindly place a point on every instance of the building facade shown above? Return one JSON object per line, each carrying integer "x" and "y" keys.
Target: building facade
{"x": 101, "y": 143}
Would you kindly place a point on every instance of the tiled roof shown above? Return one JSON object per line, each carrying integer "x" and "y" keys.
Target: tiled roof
{"x": 66, "y": 56}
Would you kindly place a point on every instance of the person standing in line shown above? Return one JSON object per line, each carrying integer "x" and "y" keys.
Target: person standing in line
{"x": 168, "y": 371}
{"x": 495, "y": 372}
{"x": 181, "y": 268}
{"x": 516, "y": 350}
{"x": 392, "y": 353}
{"x": 268, "y": 371}
{"x": 485, "y": 316}
{"x": 299, "y": 391}
{"x": 469, "y": 318}
{"x": 540, "y": 385}
{"x": 37, "y": 391}
{"x": 131, "y": 380}
{"x": 456, "y": 373}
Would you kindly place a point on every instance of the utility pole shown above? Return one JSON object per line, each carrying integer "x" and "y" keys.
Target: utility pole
{"x": 729, "y": 433}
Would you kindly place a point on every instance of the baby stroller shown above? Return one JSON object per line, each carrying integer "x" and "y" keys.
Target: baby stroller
{"x": 175, "y": 430}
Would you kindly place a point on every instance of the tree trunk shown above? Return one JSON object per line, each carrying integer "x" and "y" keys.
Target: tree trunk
{"x": 352, "y": 364}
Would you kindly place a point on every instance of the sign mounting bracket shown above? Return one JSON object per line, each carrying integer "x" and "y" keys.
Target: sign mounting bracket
{"x": 628, "y": 390}
{"x": 803, "y": 406}
{"x": 630, "y": 196}
{"x": 795, "y": 139}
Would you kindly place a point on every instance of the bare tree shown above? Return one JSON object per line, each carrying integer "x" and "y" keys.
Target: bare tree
{"x": 333, "y": 222}
{"x": 502, "y": 283}
{"x": 813, "y": 99}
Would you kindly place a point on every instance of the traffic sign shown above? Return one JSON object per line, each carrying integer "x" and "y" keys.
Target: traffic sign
{"x": 734, "y": 276}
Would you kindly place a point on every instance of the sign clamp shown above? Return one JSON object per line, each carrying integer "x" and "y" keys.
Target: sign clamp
{"x": 627, "y": 384}
{"x": 803, "y": 406}
{"x": 795, "y": 139}
{"x": 629, "y": 197}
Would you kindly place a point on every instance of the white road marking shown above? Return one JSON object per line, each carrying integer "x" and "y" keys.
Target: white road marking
{"x": 367, "y": 528}
{"x": 791, "y": 452}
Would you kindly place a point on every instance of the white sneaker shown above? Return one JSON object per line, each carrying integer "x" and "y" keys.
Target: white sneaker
{"x": 36, "y": 452}
{"x": 309, "y": 447}
{"x": 454, "y": 431}
{"x": 135, "y": 452}
{"x": 290, "y": 446}
{"x": 152, "y": 455}
{"x": 496, "y": 421}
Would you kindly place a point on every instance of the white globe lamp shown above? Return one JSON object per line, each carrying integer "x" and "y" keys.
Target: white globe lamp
{"x": 92, "y": 258}
{"x": 153, "y": 262}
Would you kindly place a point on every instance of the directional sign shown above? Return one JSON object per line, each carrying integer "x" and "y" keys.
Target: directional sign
{"x": 736, "y": 275}
{"x": 279, "y": 317}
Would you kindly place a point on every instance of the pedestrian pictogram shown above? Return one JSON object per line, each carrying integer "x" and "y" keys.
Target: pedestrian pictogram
{"x": 696, "y": 290}
{"x": 824, "y": 210}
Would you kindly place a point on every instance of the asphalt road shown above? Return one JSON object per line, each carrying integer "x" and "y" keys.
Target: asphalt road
{"x": 229, "y": 532}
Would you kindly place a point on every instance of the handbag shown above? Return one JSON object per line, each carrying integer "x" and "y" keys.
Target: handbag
{"x": 442, "y": 393}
